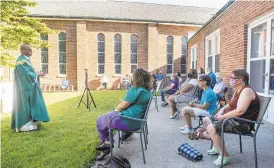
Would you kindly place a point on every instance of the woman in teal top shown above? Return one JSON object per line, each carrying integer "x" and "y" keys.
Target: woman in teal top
{"x": 133, "y": 105}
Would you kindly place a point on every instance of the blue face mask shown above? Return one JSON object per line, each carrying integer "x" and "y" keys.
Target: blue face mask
{"x": 218, "y": 80}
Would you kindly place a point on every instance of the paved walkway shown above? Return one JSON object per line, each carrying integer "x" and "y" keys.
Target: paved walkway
{"x": 164, "y": 139}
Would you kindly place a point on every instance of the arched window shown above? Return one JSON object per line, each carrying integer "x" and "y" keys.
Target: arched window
{"x": 169, "y": 55}
{"x": 101, "y": 53}
{"x": 133, "y": 53}
{"x": 183, "y": 54}
{"x": 62, "y": 68}
{"x": 44, "y": 54}
{"x": 117, "y": 54}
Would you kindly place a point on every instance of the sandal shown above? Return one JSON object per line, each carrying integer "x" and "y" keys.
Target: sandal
{"x": 102, "y": 155}
{"x": 213, "y": 151}
{"x": 203, "y": 135}
{"x": 219, "y": 160}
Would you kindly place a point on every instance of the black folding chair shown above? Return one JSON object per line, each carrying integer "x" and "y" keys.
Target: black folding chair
{"x": 264, "y": 102}
{"x": 142, "y": 131}
{"x": 223, "y": 97}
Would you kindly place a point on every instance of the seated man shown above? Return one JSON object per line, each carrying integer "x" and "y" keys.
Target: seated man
{"x": 170, "y": 89}
{"x": 244, "y": 104}
{"x": 159, "y": 76}
{"x": 205, "y": 108}
{"x": 186, "y": 92}
{"x": 219, "y": 88}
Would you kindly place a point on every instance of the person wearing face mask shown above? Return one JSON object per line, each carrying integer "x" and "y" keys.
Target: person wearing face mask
{"x": 185, "y": 93}
{"x": 244, "y": 104}
{"x": 170, "y": 89}
{"x": 220, "y": 86}
{"x": 212, "y": 77}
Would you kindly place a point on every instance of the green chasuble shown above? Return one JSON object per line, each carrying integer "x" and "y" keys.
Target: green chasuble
{"x": 28, "y": 101}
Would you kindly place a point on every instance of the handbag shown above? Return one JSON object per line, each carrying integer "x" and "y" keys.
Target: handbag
{"x": 190, "y": 153}
{"x": 115, "y": 162}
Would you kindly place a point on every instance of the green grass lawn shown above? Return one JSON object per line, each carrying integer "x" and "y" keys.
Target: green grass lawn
{"x": 68, "y": 140}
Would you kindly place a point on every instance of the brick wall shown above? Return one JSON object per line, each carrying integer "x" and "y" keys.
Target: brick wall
{"x": 233, "y": 24}
{"x": 177, "y": 32}
{"x": 69, "y": 27}
{"x": 82, "y": 49}
{"x": 109, "y": 30}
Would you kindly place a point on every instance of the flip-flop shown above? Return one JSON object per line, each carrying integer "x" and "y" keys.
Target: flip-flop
{"x": 213, "y": 151}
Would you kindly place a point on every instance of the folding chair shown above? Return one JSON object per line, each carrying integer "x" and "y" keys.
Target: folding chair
{"x": 264, "y": 102}
{"x": 223, "y": 97}
{"x": 142, "y": 131}
{"x": 65, "y": 84}
{"x": 190, "y": 97}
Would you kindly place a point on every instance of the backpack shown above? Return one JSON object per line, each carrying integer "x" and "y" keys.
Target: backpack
{"x": 190, "y": 153}
{"x": 115, "y": 162}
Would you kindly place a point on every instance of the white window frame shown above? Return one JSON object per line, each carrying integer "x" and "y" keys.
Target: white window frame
{"x": 212, "y": 37}
{"x": 101, "y": 52}
{"x": 61, "y": 75}
{"x": 133, "y": 53}
{"x": 40, "y": 53}
{"x": 168, "y": 74}
{"x": 261, "y": 20}
{"x": 194, "y": 56}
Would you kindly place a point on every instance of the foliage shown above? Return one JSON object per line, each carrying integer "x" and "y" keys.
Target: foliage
{"x": 17, "y": 28}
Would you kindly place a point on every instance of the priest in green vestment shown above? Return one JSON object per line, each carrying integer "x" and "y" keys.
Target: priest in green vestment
{"x": 28, "y": 103}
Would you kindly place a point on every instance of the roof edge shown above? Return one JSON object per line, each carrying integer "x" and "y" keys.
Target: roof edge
{"x": 112, "y": 19}
{"x": 224, "y": 8}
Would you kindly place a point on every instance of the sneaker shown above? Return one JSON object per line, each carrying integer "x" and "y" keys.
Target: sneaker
{"x": 126, "y": 136}
{"x": 184, "y": 127}
{"x": 164, "y": 104}
{"x": 186, "y": 131}
{"x": 174, "y": 115}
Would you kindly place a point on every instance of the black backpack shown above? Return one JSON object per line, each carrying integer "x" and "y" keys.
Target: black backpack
{"x": 115, "y": 162}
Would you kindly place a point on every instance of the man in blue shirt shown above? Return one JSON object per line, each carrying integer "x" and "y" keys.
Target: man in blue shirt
{"x": 212, "y": 77}
{"x": 160, "y": 76}
{"x": 205, "y": 108}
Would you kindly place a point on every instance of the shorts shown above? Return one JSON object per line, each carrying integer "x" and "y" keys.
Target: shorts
{"x": 232, "y": 126}
{"x": 200, "y": 112}
{"x": 182, "y": 98}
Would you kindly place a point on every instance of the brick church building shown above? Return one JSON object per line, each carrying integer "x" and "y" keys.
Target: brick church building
{"x": 239, "y": 36}
{"x": 113, "y": 38}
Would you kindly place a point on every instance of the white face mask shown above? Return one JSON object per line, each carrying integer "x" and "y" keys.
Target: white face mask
{"x": 218, "y": 80}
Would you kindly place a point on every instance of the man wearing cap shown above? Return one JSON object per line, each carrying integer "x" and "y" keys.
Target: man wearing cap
{"x": 205, "y": 108}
